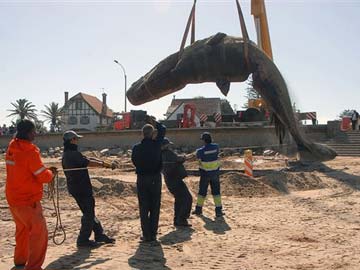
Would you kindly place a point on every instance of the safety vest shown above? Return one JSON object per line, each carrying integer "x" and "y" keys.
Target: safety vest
{"x": 25, "y": 173}
{"x": 208, "y": 158}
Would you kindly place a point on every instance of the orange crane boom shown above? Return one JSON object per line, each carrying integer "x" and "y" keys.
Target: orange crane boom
{"x": 258, "y": 10}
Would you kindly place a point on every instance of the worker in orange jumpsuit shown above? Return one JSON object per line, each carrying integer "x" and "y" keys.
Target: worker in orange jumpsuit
{"x": 25, "y": 176}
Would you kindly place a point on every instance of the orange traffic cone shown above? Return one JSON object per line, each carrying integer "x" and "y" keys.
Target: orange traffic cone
{"x": 248, "y": 162}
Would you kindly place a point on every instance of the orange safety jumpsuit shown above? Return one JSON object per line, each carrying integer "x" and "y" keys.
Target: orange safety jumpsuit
{"x": 24, "y": 189}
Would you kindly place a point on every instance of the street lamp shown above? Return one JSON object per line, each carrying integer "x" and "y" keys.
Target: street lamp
{"x": 123, "y": 69}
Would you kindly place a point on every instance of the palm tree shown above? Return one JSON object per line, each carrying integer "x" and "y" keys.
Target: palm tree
{"x": 52, "y": 113}
{"x": 23, "y": 109}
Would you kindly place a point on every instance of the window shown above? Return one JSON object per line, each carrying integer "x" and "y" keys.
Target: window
{"x": 72, "y": 120}
{"x": 78, "y": 105}
{"x": 84, "y": 120}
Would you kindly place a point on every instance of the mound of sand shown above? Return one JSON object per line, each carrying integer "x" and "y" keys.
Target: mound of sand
{"x": 113, "y": 187}
{"x": 103, "y": 186}
{"x": 240, "y": 185}
{"x": 274, "y": 183}
{"x": 293, "y": 181}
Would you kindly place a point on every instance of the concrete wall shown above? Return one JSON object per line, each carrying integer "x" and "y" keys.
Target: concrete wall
{"x": 318, "y": 133}
{"x": 333, "y": 128}
{"x": 190, "y": 138}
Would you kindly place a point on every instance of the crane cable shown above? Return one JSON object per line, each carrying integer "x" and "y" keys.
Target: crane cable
{"x": 244, "y": 33}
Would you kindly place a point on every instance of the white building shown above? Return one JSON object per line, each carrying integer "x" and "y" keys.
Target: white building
{"x": 85, "y": 112}
{"x": 203, "y": 106}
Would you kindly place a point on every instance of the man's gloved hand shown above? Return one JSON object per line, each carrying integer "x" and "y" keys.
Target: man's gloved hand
{"x": 150, "y": 120}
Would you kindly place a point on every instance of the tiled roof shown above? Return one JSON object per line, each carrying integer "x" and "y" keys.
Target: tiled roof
{"x": 94, "y": 103}
{"x": 206, "y": 106}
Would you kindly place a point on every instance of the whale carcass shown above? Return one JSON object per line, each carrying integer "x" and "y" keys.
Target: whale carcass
{"x": 223, "y": 59}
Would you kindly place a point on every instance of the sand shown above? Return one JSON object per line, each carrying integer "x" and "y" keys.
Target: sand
{"x": 286, "y": 217}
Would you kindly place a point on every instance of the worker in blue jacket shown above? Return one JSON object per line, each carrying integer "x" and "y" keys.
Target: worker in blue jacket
{"x": 209, "y": 165}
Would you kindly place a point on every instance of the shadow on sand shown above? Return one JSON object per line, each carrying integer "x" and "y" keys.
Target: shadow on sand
{"x": 218, "y": 226}
{"x": 77, "y": 260}
{"x": 181, "y": 234}
{"x": 352, "y": 181}
{"x": 148, "y": 256}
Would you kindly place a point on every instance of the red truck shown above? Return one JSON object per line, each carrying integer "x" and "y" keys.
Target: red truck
{"x": 135, "y": 119}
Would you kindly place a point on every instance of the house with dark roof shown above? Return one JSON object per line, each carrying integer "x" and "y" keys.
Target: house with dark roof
{"x": 85, "y": 112}
{"x": 207, "y": 106}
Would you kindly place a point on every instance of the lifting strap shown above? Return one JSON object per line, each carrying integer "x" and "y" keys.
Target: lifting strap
{"x": 193, "y": 25}
{"x": 244, "y": 33}
{"x": 191, "y": 22}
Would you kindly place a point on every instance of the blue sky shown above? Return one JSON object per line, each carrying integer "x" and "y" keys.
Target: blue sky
{"x": 48, "y": 47}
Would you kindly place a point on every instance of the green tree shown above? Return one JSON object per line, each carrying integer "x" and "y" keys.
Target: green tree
{"x": 52, "y": 114}
{"x": 251, "y": 93}
{"x": 345, "y": 113}
{"x": 23, "y": 109}
{"x": 226, "y": 107}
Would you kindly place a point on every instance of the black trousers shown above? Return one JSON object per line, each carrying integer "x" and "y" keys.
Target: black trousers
{"x": 149, "y": 196}
{"x": 183, "y": 198}
{"x": 89, "y": 222}
{"x": 353, "y": 124}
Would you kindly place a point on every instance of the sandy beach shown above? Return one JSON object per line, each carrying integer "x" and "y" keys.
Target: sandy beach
{"x": 287, "y": 217}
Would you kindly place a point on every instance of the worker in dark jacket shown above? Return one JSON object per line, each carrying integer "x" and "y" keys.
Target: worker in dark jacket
{"x": 146, "y": 156}
{"x": 209, "y": 165}
{"x": 174, "y": 173}
{"x": 79, "y": 186}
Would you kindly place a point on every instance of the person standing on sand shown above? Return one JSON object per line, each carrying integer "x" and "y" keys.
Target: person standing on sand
{"x": 146, "y": 156}
{"x": 209, "y": 165}
{"x": 174, "y": 173}
{"x": 79, "y": 186}
{"x": 25, "y": 176}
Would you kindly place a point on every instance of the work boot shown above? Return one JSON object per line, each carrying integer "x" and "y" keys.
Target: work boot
{"x": 87, "y": 244}
{"x": 153, "y": 238}
{"x": 197, "y": 211}
{"x": 182, "y": 223}
{"x": 219, "y": 212}
{"x": 103, "y": 238}
{"x": 148, "y": 239}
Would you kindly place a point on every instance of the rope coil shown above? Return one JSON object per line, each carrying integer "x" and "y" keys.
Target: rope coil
{"x": 54, "y": 192}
